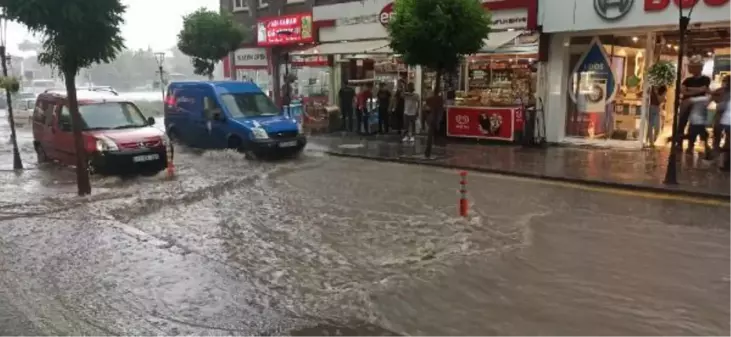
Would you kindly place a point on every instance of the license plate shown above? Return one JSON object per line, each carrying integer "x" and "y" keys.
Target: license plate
{"x": 149, "y": 157}
{"x": 288, "y": 144}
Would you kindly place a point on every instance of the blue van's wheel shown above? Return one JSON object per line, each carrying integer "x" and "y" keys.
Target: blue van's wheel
{"x": 173, "y": 136}
{"x": 235, "y": 143}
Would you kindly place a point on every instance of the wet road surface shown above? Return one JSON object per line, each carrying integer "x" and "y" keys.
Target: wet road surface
{"x": 339, "y": 246}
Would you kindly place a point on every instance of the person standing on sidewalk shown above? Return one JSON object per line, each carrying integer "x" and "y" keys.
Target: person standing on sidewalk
{"x": 364, "y": 96}
{"x": 412, "y": 105}
{"x": 725, "y": 122}
{"x": 346, "y": 95}
{"x": 721, "y": 96}
{"x": 397, "y": 109}
{"x": 657, "y": 98}
{"x": 694, "y": 87}
{"x": 384, "y": 101}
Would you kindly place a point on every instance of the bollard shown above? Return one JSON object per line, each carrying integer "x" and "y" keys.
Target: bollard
{"x": 463, "y": 205}
{"x": 170, "y": 165}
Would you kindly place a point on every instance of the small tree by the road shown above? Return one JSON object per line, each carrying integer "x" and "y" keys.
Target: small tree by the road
{"x": 207, "y": 37}
{"x": 436, "y": 34}
{"x": 75, "y": 35}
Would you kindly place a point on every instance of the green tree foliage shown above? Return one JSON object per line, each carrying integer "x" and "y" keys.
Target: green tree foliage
{"x": 75, "y": 35}
{"x": 207, "y": 37}
{"x": 436, "y": 34}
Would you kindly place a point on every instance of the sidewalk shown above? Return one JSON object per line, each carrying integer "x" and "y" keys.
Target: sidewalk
{"x": 632, "y": 169}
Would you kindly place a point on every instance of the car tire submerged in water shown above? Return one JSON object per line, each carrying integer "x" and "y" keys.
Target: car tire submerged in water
{"x": 235, "y": 143}
{"x": 41, "y": 154}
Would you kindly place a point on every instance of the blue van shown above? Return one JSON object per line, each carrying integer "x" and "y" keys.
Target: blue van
{"x": 230, "y": 115}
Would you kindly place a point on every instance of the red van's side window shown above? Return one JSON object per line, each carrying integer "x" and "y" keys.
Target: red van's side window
{"x": 48, "y": 113}
{"x": 38, "y": 114}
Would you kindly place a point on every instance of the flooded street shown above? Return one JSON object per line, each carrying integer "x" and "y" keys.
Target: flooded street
{"x": 325, "y": 245}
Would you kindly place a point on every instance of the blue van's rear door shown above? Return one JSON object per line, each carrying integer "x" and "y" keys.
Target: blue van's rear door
{"x": 189, "y": 108}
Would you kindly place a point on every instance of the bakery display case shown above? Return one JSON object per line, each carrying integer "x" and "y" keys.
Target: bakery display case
{"x": 497, "y": 89}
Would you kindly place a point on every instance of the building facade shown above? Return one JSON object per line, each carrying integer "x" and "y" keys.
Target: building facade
{"x": 599, "y": 50}
{"x": 260, "y": 59}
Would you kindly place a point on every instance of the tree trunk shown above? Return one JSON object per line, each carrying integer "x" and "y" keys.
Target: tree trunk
{"x": 82, "y": 170}
{"x": 17, "y": 163}
{"x": 435, "y": 108}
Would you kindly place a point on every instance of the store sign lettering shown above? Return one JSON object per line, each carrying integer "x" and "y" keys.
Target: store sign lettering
{"x": 612, "y": 10}
{"x": 659, "y": 5}
{"x": 386, "y": 14}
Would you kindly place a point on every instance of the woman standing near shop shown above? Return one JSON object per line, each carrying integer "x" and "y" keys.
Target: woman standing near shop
{"x": 657, "y": 98}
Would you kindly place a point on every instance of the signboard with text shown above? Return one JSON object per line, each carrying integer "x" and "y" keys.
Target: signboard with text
{"x": 284, "y": 30}
{"x": 250, "y": 58}
{"x": 612, "y": 14}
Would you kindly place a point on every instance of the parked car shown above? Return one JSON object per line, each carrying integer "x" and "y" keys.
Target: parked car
{"x": 23, "y": 110}
{"x": 117, "y": 137}
{"x": 233, "y": 115}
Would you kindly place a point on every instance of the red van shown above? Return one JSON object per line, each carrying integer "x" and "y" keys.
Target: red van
{"x": 117, "y": 136}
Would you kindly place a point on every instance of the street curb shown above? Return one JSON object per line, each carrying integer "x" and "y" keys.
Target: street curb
{"x": 586, "y": 182}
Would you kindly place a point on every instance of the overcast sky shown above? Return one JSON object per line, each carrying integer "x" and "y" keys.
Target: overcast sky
{"x": 153, "y": 23}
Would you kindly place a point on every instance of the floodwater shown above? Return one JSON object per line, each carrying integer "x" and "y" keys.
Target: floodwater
{"x": 321, "y": 245}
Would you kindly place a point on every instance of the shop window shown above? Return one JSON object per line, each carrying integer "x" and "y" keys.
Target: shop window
{"x": 240, "y": 5}
{"x": 498, "y": 81}
{"x": 605, "y": 91}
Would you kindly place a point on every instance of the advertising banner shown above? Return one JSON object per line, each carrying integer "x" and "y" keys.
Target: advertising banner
{"x": 482, "y": 123}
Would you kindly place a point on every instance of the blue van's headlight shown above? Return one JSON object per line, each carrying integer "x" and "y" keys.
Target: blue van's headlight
{"x": 259, "y": 133}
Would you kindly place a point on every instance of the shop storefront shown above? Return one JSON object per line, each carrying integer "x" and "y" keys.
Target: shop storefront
{"x": 252, "y": 64}
{"x": 356, "y": 35}
{"x": 596, "y": 89}
{"x": 496, "y": 85}
{"x": 281, "y": 36}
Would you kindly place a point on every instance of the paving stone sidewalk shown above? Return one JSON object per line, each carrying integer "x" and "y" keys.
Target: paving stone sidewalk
{"x": 634, "y": 169}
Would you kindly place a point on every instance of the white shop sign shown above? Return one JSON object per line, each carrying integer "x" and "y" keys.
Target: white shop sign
{"x": 365, "y": 20}
{"x": 250, "y": 57}
{"x": 580, "y": 15}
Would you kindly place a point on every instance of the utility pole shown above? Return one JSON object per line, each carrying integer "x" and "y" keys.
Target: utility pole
{"x": 4, "y": 59}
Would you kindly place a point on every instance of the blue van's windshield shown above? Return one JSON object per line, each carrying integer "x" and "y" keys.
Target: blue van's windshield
{"x": 249, "y": 105}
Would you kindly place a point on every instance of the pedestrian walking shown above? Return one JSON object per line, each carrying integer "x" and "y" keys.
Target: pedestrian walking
{"x": 693, "y": 87}
{"x": 698, "y": 120}
{"x": 412, "y": 105}
{"x": 384, "y": 102}
{"x": 346, "y": 97}
{"x": 657, "y": 99}
{"x": 721, "y": 96}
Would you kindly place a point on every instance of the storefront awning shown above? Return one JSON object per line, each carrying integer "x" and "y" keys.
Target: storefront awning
{"x": 498, "y": 39}
{"x": 353, "y": 47}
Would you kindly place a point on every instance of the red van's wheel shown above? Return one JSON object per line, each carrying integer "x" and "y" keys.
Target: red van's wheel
{"x": 41, "y": 154}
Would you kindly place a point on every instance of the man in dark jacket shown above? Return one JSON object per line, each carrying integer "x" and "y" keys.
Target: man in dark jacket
{"x": 398, "y": 109}
{"x": 346, "y": 98}
{"x": 384, "y": 100}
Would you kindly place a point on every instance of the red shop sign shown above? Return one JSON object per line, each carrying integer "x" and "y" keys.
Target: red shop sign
{"x": 384, "y": 17}
{"x": 659, "y": 5}
{"x": 287, "y": 29}
{"x": 483, "y": 123}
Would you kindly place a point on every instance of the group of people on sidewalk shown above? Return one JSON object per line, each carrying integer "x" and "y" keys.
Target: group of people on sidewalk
{"x": 399, "y": 110}
{"x": 694, "y": 115}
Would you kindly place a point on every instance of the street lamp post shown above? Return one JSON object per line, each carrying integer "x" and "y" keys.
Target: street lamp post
{"x": 160, "y": 58}
{"x": 5, "y": 60}
{"x": 671, "y": 173}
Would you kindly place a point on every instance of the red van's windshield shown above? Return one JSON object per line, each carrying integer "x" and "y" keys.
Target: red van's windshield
{"x": 114, "y": 115}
